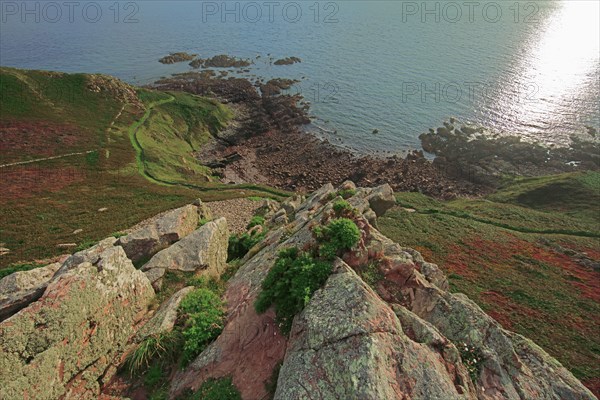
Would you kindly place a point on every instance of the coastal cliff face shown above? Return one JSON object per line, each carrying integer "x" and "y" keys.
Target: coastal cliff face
{"x": 382, "y": 326}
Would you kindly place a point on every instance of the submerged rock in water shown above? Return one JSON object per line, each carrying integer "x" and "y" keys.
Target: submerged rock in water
{"x": 287, "y": 61}
{"x": 177, "y": 58}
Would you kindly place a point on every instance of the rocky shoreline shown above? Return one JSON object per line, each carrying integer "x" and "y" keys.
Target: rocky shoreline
{"x": 266, "y": 144}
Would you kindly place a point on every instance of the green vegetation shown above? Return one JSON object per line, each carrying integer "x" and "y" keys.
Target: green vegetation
{"x": 16, "y": 268}
{"x": 519, "y": 260}
{"x": 86, "y": 244}
{"x": 215, "y": 389}
{"x": 161, "y": 346}
{"x": 200, "y": 320}
{"x": 346, "y": 193}
{"x": 296, "y": 275}
{"x": 167, "y": 138}
{"x": 290, "y": 284}
{"x": 472, "y": 359}
{"x": 256, "y": 221}
{"x": 271, "y": 384}
{"x": 204, "y": 313}
{"x": 371, "y": 274}
{"x": 343, "y": 209}
{"x": 339, "y": 235}
{"x": 240, "y": 245}
{"x": 44, "y": 202}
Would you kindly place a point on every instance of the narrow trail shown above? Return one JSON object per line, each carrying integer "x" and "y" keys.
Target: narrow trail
{"x": 47, "y": 158}
{"x": 141, "y": 165}
{"x": 68, "y": 154}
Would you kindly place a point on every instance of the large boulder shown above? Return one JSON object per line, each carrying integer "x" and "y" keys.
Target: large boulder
{"x": 510, "y": 366}
{"x": 160, "y": 233}
{"x": 65, "y": 344}
{"x": 205, "y": 249}
{"x": 382, "y": 199}
{"x": 91, "y": 255}
{"x": 24, "y": 287}
{"x": 349, "y": 344}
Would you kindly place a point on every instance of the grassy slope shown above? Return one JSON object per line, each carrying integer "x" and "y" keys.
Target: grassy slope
{"x": 492, "y": 251}
{"x": 43, "y": 203}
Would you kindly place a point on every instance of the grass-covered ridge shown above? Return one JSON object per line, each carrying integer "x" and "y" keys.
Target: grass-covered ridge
{"x": 88, "y": 121}
{"x": 178, "y": 126}
{"x": 524, "y": 254}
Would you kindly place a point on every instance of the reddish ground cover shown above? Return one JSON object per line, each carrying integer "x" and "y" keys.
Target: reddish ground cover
{"x": 22, "y": 182}
{"x": 26, "y": 140}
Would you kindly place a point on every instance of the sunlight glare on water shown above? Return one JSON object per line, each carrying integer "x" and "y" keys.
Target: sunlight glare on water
{"x": 559, "y": 70}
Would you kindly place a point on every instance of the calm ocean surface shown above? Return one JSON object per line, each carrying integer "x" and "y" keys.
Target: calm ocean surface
{"x": 528, "y": 67}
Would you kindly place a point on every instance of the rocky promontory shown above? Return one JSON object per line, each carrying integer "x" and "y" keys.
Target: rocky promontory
{"x": 379, "y": 323}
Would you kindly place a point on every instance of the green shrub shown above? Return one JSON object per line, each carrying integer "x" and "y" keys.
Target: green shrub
{"x": 239, "y": 245}
{"x": 340, "y": 234}
{"x": 204, "y": 314}
{"x": 343, "y": 208}
{"x": 346, "y": 193}
{"x": 154, "y": 347}
{"x": 255, "y": 221}
{"x": 290, "y": 284}
{"x": 215, "y": 389}
{"x": 211, "y": 283}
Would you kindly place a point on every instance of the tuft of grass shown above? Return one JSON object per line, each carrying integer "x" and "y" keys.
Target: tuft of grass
{"x": 202, "y": 222}
{"x": 159, "y": 346}
{"x": 86, "y": 244}
{"x": 371, "y": 274}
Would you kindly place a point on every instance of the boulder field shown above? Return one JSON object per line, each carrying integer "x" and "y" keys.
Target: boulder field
{"x": 383, "y": 326}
